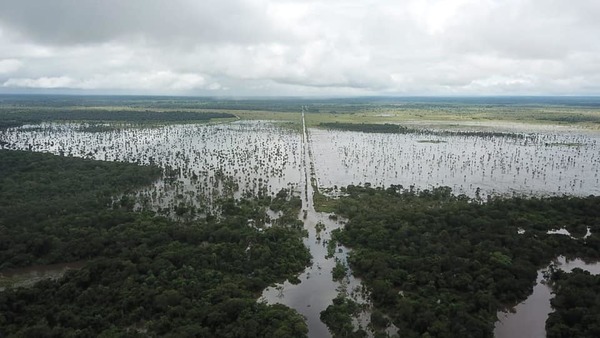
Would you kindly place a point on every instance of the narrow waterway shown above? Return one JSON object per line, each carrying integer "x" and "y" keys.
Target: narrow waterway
{"x": 316, "y": 289}
{"x": 529, "y": 318}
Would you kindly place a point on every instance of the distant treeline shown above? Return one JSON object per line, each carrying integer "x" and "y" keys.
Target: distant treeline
{"x": 367, "y": 127}
{"x": 289, "y": 103}
{"x": 511, "y": 108}
{"x": 12, "y": 118}
{"x": 398, "y": 129}
{"x": 571, "y": 118}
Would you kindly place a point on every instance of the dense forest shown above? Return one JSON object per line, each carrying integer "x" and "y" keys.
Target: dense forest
{"x": 57, "y": 209}
{"x": 338, "y": 317}
{"x": 15, "y": 117}
{"x": 576, "y": 305}
{"x": 143, "y": 275}
{"x": 442, "y": 265}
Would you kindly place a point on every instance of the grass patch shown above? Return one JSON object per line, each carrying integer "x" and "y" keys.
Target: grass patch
{"x": 367, "y": 127}
{"x": 323, "y": 203}
{"x": 431, "y": 141}
{"x": 398, "y": 129}
{"x": 564, "y": 144}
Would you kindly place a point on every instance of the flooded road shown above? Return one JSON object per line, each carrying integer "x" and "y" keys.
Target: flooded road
{"x": 316, "y": 289}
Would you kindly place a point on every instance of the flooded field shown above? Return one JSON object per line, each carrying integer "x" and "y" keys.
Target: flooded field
{"x": 250, "y": 157}
{"x": 542, "y": 163}
{"x": 201, "y": 161}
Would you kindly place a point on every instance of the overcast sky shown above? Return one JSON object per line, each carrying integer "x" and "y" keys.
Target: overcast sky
{"x": 303, "y": 47}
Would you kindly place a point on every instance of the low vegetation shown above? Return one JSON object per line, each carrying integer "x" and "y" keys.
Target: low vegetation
{"x": 322, "y": 202}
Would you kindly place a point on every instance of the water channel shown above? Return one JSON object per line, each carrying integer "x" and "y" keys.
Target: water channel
{"x": 529, "y": 317}
{"x": 317, "y": 288}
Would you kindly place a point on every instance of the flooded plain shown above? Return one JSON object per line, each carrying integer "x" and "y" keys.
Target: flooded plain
{"x": 534, "y": 164}
{"x": 250, "y": 157}
{"x": 204, "y": 162}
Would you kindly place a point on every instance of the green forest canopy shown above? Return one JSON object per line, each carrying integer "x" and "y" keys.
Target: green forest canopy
{"x": 144, "y": 275}
{"x": 443, "y": 265}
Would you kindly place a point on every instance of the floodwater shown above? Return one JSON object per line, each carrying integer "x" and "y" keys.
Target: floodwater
{"x": 545, "y": 163}
{"x": 529, "y": 318}
{"x": 565, "y": 232}
{"x": 317, "y": 289}
{"x": 245, "y": 158}
{"x": 208, "y": 161}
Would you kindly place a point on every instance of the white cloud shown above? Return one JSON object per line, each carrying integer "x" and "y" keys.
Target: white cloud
{"x": 291, "y": 47}
{"x": 10, "y": 66}
{"x": 42, "y": 82}
{"x": 161, "y": 80}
